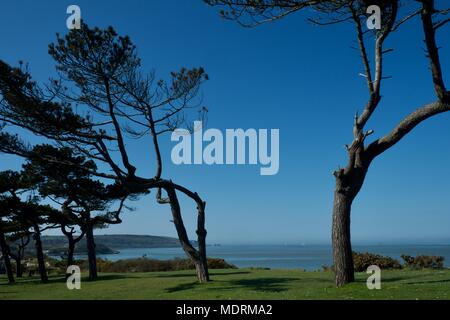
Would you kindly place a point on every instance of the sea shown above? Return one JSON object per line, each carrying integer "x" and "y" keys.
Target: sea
{"x": 307, "y": 257}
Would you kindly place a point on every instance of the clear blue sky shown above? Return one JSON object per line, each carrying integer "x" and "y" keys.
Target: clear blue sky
{"x": 289, "y": 75}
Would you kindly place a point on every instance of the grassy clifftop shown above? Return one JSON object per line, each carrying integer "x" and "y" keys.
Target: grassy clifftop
{"x": 237, "y": 284}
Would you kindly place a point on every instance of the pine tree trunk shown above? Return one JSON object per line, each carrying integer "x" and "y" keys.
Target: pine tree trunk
{"x": 348, "y": 185}
{"x": 6, "y": 260}
{"x": 202, "y": 270}
{"x": 342, "y": 247}
{"x": 40, "y": 255}
{"x": 90, "y": 242}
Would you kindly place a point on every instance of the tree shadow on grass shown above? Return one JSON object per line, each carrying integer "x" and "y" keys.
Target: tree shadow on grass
{"x": 262, "y": 284}
{"x": 406, "y": 277}
{"x": 35, "y": 280}
{"x": 62, "y": 279}
{"x": 107, "y": 277}
{"x": 383, "y": 280}
{"x": 183, "y": 287}
{"x": 212, "y": 274}
{"x": 427, "y": 282}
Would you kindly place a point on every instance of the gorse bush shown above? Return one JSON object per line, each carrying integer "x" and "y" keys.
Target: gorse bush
{"x": 215, "y": 263}
{"x": 150, "y": 265}
{"x": 363, "y": 260}
{"x": 422, "y": 262}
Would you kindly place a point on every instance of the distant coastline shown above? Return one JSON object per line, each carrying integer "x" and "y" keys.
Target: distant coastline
{"x": 308, "y": 257}
{"x": 110, "y": 244}
{"x": 274, "y": 256}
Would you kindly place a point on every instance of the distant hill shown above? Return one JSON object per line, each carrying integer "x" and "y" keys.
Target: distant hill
{"x": 56, "y": 245}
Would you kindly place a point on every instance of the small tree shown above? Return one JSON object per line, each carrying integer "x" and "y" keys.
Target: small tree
{"x": 37, "y": 216}
{"x": 20, "y": 239}
{"x": 84, "y": 201}
{"x": 9, "y": 184}
{"x": 24, "y": 210}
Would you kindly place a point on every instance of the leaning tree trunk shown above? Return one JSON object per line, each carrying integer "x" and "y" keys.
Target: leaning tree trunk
{"x": 92, "y": 259}
{"x": 6, "y": 260}
{"x": 348, "y": 184}
{"x": 40, "y": 255}
{"x": 197, "y": 257}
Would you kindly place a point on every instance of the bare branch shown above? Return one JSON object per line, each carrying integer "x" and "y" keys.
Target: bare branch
{"x": 404, "y": 127}
{"x": 362, "y": 48}
{"x": 405, "y": 19}
{"x": 375, "y": 96}
{"x": 441, "y": 23}
{"x": 433, "y": 52}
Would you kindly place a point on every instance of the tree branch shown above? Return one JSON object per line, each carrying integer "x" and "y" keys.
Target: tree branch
{"x": 433, "y": 52}
{"x": 404, "y": 127}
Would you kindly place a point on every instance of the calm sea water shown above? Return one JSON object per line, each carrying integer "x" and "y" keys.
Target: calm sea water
{"x": 309, "y": 257}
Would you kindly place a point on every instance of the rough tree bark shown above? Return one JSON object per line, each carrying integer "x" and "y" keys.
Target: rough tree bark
{"x": 348, "y": 184}
{"x": 342, "y": 247}
{"x": 5, "y": 253}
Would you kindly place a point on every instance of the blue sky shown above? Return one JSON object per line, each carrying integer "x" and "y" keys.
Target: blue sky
{"x": 289, "y": 75}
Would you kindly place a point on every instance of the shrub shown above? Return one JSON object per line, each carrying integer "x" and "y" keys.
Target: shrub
{"x": 421, "y": 262}
{"x": 215, "y": 263}
{"x": 150, "y": 265}
{"x": 363, "y": 260}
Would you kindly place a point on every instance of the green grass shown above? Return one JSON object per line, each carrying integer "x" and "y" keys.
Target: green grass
{"x": 236, "y": 284}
